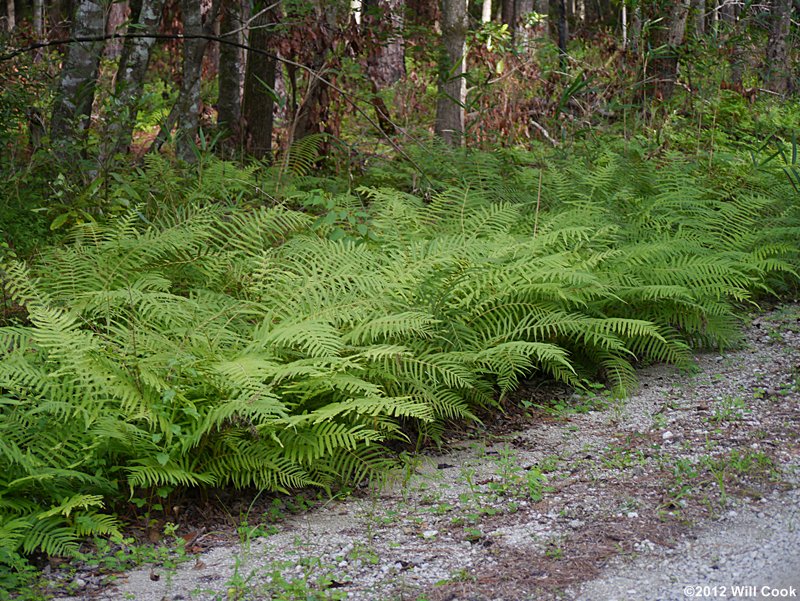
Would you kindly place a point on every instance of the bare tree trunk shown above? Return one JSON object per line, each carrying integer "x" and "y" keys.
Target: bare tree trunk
{"x": 133, "y": 64}
{"x": 383, "y": 22}
{"x": 486, "y": 11}
{"x": 522, "y": 33}
{"x": 313, "y": 115}
{"x": 624, "y": 24}
{"x": 665, "y": 67}
{"x": 777, "y": 76}
{"x": 231, "y": 68}
{"x": 452, "y": 85}
{"x": 563, "y": 32}
{"x": 507, "y": 13}
{"x": 38, "y": 19}
{"x": 115, "y": 19}
{"x": 189, "y": 102}
{"x": 636, "y": 28}
{"x": 259, "y": 88}
{"x": 72, "y": 109}
{"x": 11, "y": 16}
{"x": 699, "y": 18}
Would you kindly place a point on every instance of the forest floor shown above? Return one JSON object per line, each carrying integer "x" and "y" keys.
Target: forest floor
{"x": 690, "y": 482}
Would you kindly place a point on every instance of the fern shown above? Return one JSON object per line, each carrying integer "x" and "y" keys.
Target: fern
{"x": 199, "y": 346}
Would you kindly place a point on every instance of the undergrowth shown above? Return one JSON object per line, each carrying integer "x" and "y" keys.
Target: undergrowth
{"x": 240, "y": 333}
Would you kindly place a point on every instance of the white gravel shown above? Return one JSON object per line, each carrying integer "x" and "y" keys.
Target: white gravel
{"x": 752, "y": 553}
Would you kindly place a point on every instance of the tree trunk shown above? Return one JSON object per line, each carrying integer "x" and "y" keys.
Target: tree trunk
{"x": 313, "y": 115}
{"x": 507, "y": 13}
{"x": 522, "y": 33}
{"x": 636, "y": 28}
{"x": 231, "y": 68}
{"x": 383, "y": 23}
{"x": 38, "y": 19}
{"x": 72, "y": 109}
{"x": 623, "y": 18}
{"x": 486, "y": 11}
{"x": 11, "y": 16}
{"x": 699, "y": 18}
{"x": 563, "y": 33}
{"x": 668, "y": 39}
{"x": 189, "y": 97}
{"x": 115, "y": 23}
{"x": 777, "y": 72}
{"x": 133, "y": 64}
{"x": 452, "y": 85}
{"x": 259, "y": 88}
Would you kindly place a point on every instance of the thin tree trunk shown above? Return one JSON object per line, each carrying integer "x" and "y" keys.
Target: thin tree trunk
{"x": 699, "y": 18}
{"x": 522, "y": 33}
{"x": 259, "y": 89}
{"x": 11, "y": 16}
{"x": 563, "y": 33}
{"x": 777, "y": 76}
{"x": 636, "y": 28}
{"x": 231, "y": 68}
{"x": 486, "y": 11}
{"x": 665, "y": 67}
{"x": 624, "y": 23}
{"x": 115, "y": 19}
{"x": 452, "y": 85}
{"x": 72, "y": 109}
{"x": 38, "y": 19}
{"x": 132, "y": 69}
{"x": 189, "y": 97}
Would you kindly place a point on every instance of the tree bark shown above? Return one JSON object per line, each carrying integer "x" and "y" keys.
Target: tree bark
{"x": 486, "y": 11}
{"x": 189, "y": 102}
{"x": 777, "y": 72}
{"x": 382, "y": 25}
{"x": 72, "y": 109}
{"x": 231, "y": 68}
{"x": 117, "y": 15}
{"x": 507, "y": 13}
{"x": 563, "y": 33}
{"x": 11, "y": 16}
{"x": 699, "y": 7}
{"x": 133, "y": 64}
{"x": 383, "y": 22}
{"x": 259, "y": 88}
{"x": 38, "y": 19}
{"x": 522, "y": 33}
{"x": 452, "y": 65}
{"x": 313, "y": 115}
{"x": 668, "y": 39}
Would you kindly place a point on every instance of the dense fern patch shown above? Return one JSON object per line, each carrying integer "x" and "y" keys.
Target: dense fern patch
{"x": 276, "y": 348}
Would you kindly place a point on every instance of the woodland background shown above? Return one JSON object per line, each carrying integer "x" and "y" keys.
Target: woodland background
{"x": 257, "y": 246}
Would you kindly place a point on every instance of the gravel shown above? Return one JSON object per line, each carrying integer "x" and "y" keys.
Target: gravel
{"x": 691, "y": 482}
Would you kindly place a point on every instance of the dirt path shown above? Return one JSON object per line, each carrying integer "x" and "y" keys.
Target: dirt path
{"x": 690, "y": 482}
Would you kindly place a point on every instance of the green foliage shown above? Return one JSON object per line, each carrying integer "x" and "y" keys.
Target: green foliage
{"x": 198, "y": 345}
